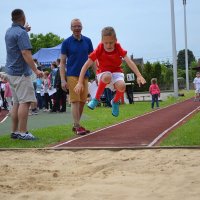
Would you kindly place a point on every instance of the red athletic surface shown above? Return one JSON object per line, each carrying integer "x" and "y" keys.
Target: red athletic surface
{"x": 3, "y": 114}
{"x": 140, "y": 131}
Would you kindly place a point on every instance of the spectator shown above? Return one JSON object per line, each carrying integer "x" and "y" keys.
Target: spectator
{"x": 33, "y": 107}
{"x": 155, "y": 92}
{"x": 2, "y": 95}
{"x": 39, "y": 93}
{"x": 75, "y": 49}
{"x": 19, "y": 67}
{"x": 8, "y": 96}
{"x": 47, "y": 98}
{"x": 61, "y": 95}
{"x": 52, "y": 77}
{"x": 196, "y": 83}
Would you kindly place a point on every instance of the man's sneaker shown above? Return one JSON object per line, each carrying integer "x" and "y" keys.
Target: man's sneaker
{"x": 26, "y": 136}
{"x": 53, "y": 111}
{"x": 79, "y": 130}
{"x": 34, "y": 112}
{"x": 115, "y": 108}
{"x": 93, "y": 103}
{"x": 14, "y": 135}
{"x": 86, "y": 131}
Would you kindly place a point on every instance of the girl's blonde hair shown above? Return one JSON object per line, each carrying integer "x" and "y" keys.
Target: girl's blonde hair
{"x": 46, "y": 73}
{"x": 154, "y": 80}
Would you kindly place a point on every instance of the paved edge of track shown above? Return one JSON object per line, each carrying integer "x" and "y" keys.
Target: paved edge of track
{"x": 148, "y": 146}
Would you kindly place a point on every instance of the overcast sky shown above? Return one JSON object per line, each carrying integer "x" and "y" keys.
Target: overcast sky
{"x": 143, "y": 27}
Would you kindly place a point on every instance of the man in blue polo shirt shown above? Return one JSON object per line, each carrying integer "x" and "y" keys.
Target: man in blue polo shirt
{"x": 19, "y": 67}
{"x": 74, "y": 53}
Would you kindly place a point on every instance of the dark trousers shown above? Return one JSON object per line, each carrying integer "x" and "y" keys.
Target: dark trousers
{"x": 5, "y": 103}
{"x": 129, "y": 92}
{"x": 47, "y": 101}
{"x": 59, "y": 99}
{"x": 154, "y": 100}
{"x": 62, "y": 98}
{"x": 40, "y": 100}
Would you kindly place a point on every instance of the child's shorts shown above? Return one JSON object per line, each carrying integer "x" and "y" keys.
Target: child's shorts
{"x": 116, "y": 76}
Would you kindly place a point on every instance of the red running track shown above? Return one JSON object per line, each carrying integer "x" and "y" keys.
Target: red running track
{"x": 3, "y": 114}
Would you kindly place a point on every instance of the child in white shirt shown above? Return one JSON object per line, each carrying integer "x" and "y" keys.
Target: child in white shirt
{"x": 197, "y": 86}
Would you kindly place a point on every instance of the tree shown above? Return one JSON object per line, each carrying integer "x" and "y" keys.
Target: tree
{"x": 126, "y": 70}
{"x": 181, "y": 73}
{"x": 168, "y": 78}
{"x": 168, "y": 64}
{"x": 39, "y": 41}
{"x": 148, "y": 74}
{"x": 157, "y": 71}
{"x": 181, "y": 58}
{"x": 192, "y": 73}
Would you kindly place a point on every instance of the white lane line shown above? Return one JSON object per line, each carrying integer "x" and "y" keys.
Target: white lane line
{"x": 69, "y": 141}
{"x": 4, "y": 119}
{"x": 167, "y": 130}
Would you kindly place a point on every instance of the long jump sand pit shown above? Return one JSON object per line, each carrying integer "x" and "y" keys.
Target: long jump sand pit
{"x": 145, "y": 174}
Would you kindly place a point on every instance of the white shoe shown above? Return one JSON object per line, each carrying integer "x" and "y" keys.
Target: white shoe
{"x": 26, "y": 136}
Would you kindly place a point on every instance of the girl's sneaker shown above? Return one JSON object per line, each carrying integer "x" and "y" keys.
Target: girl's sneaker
{"x": 93, "y": 103}
{"x": 115, "y": 108}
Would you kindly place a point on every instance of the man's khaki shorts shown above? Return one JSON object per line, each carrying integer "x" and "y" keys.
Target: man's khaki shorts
{"x": 74, "y": 97}
{"x": 22, "y": 89}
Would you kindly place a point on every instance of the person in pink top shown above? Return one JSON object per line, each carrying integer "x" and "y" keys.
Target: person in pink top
{"x": 155, "y": 92}
{"x": 108, "y": 57}
{"x": 8, "y": 96}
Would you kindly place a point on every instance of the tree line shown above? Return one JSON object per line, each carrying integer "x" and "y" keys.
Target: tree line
{"x": 163, "y": 71}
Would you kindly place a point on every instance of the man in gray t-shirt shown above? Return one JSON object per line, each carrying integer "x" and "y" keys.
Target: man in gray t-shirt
{"x": 19, "y": 67}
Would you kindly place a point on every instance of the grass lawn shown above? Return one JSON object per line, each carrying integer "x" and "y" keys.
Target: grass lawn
{"x": 185, "y": 135}
{"x": 99, "y": 118}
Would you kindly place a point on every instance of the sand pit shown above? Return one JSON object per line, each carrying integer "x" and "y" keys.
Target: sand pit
{"x": 100, "y": 174}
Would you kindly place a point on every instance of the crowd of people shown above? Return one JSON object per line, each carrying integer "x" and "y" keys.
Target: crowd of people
{"x": 49, "y": 94}
{"x": 5, "y": 96}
